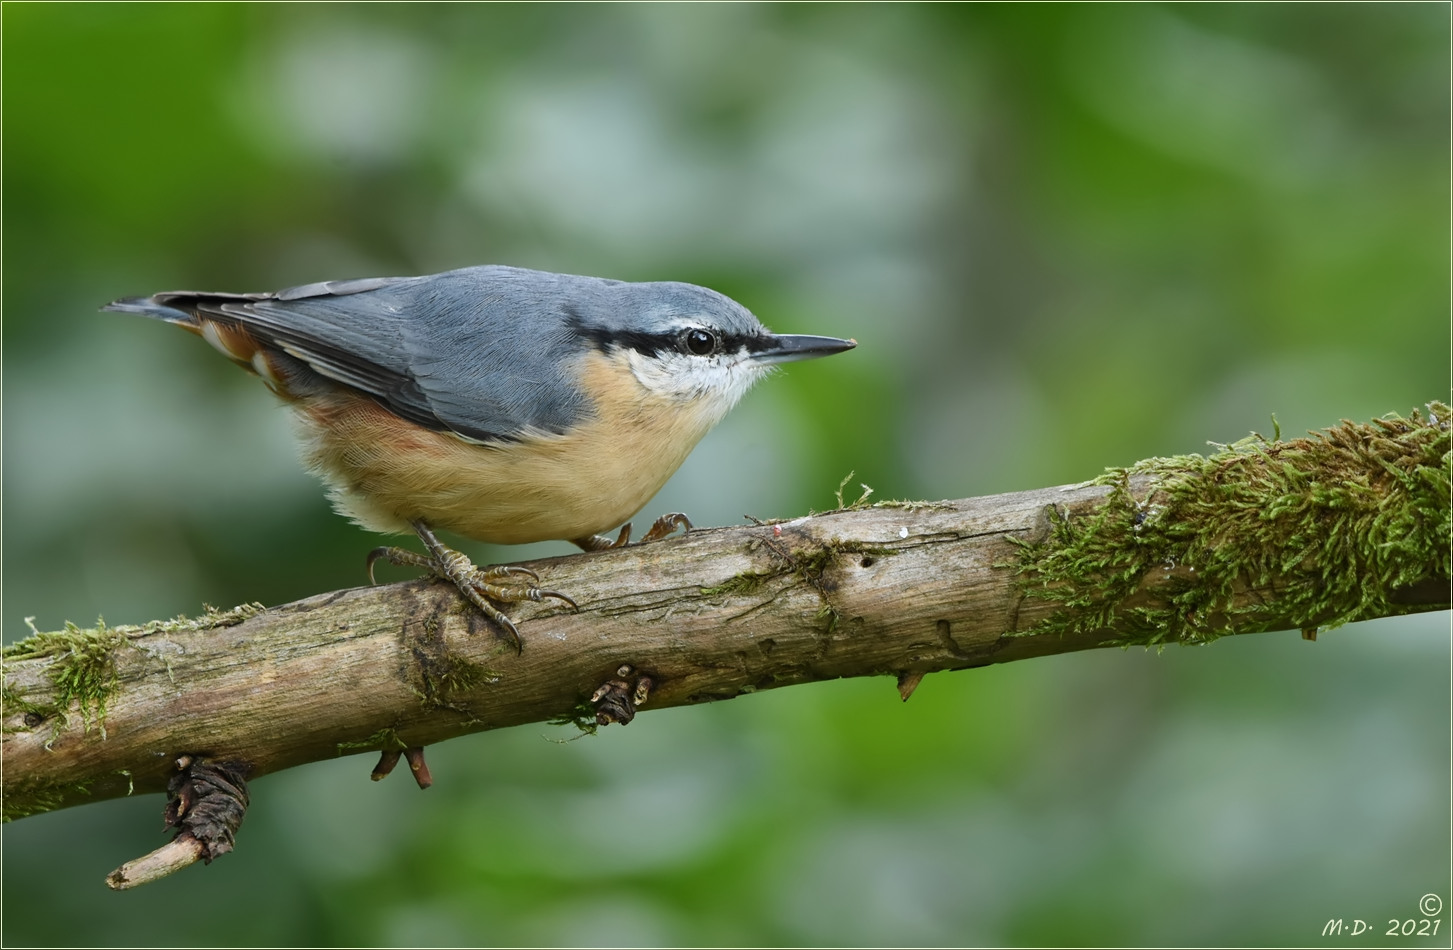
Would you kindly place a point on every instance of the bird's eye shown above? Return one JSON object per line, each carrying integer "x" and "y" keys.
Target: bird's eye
{"x": 698, "y": 341}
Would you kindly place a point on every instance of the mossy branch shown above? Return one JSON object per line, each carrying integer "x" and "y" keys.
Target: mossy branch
{"x": 1309, "y": 533}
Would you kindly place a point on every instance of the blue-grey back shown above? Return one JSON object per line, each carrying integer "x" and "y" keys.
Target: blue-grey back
{"x": 482, "y": 351}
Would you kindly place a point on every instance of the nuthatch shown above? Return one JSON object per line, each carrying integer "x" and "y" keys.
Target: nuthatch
{"x": 503, "y": 404}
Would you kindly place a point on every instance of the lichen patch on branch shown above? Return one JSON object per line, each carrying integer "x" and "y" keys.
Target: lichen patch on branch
{"x": 436, "y": 674}
{"x": 811, "y": 564}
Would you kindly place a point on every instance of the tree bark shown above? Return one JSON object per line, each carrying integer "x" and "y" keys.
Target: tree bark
{"x": 899, "y": 589}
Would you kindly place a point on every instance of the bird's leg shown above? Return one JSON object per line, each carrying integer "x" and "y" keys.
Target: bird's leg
{"x": 664, "y": 525}
{"x": 479, "y": 586}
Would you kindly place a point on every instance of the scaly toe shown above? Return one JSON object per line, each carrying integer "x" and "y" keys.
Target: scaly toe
{"x": 501, "y": 571}
{"x": 514, "y": 595}
{"x": 401, "y": 557}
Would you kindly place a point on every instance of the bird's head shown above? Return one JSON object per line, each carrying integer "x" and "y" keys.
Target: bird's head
{"x": 690, "y": 345}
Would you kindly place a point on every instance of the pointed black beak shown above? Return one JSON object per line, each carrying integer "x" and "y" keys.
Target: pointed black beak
{"x": 788, "y": 348}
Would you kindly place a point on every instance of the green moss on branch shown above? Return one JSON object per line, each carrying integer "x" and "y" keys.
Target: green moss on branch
{"x": 82, "y": 670}
{"x": 1311, "y": 532}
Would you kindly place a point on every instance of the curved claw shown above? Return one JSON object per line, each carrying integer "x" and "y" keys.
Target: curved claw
{"x": 558, "y": 596}
{"x": 511, "y": 631}
{"x": 373, "y": 557}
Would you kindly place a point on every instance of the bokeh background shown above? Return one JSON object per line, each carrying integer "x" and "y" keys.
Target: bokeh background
{"x": 1066, "y": 237}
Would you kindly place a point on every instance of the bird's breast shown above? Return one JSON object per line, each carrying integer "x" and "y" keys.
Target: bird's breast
{"x": 383, "y": 471}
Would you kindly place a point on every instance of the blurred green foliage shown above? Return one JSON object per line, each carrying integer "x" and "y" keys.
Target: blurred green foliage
{"x": 1066, "y": 236}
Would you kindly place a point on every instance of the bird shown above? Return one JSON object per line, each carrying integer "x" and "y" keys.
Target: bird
{"x": 499, "y": 403}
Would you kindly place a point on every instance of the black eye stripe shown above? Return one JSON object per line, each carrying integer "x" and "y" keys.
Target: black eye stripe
{"x": 653, "y": 344}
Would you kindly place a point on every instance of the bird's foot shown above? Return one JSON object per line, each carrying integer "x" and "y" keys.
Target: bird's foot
{"x": 478, "y": 585}
{"x": 664, "y": 525}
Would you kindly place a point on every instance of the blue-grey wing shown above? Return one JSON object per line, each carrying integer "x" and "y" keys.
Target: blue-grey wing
{"x": 477, "y": 351}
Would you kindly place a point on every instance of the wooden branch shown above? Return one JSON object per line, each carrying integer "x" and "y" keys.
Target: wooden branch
{"x": 1353, "y": 523}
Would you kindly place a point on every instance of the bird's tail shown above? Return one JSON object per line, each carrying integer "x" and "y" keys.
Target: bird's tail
{"x": 285, "y": 375}
{"x": 151, "y": 307}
